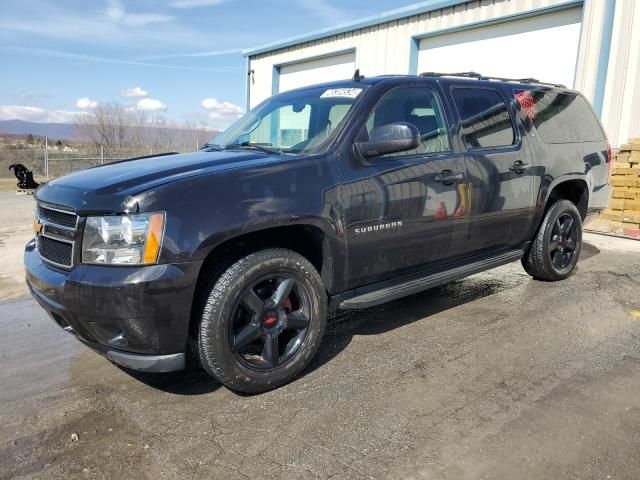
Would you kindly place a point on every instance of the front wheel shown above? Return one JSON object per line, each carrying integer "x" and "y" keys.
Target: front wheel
{"x": 554, "y": 252}
{"x": 263, "y": 321}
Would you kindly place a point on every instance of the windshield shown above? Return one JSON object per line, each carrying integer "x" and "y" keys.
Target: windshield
{"x": 299, "y": 122}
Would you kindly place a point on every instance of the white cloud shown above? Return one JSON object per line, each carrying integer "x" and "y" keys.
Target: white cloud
{"x": 112, "y": 26}
{"x": 95, "y": 59}
{"x": 324, "y": 10}
{"x": 224, "y": 113}
{"x": 134, "y": 92}
{"x": 194, "y": 3}
{"x": 151, "y": 105}
{"x": 210, "y": 53}
{"x": 116, "y": 12}
{"x": 85, "y": 102}
{"x": 36, "y": 114}
{"x": 223, "y": 108}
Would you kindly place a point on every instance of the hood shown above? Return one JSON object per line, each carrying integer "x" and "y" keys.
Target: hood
{"x": 107, "y": 188}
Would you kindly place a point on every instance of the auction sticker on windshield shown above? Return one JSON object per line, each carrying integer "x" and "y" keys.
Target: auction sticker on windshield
{"x": 341, "y": 92}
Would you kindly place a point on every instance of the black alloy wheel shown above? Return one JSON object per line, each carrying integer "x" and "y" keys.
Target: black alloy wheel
{"x": 555, "y": 249}
{"x": 262, "y": 320}
{"x": 563, "y": 242}
{"x": 270, "y": 321}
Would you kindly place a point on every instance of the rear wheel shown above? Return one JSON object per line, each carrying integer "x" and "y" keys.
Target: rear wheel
{"x": 263, "y": 321}
{"x": 554, "y": 251}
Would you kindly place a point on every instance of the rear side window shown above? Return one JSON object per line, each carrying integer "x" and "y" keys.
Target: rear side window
{"x": 486, "y": 122}
{"x": 560, "y": 117}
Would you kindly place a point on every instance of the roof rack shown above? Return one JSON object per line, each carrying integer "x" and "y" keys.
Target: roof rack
{"x": 479, "y": 76}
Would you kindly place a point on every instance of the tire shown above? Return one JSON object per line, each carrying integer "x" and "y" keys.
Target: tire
{"x": 263, "y": 321}
{"x": 555, "y": 250}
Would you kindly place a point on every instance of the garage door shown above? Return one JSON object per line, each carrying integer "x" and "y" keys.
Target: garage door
{"x": 327, "y": 69}
{"x": 543, "y": 47}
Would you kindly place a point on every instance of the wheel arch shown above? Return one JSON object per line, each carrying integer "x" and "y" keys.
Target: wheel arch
{"x": 307, "y": 239}
{"x": 574, "y": 189}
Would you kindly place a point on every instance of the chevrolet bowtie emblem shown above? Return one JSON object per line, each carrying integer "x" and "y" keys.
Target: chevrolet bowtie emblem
{"x": 37, "y": 226}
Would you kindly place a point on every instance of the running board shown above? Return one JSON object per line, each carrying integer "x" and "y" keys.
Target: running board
{"x": 393, "y": 292}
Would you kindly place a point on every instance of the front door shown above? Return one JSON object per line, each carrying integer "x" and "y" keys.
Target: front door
{"x": 407, "y": 210}
{"x": 501, "y": 196}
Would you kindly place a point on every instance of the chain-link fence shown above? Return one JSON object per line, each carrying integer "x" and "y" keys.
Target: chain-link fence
{"x": 53, "y": 162}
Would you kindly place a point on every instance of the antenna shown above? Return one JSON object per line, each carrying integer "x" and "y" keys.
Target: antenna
{"x": 356, "y": 76}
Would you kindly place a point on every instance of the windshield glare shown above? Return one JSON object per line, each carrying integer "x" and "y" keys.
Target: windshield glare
{"x": 297, "y": 122}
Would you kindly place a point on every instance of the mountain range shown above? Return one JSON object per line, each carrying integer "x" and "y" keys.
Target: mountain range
{"x": 69, "y": 132}
{"x": 58, "y": 131}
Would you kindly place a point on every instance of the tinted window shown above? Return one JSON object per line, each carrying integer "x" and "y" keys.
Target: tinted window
{"x": 419, "y": 106}
{"x": 560, "y": 117}
{"x": 485, "y": 119}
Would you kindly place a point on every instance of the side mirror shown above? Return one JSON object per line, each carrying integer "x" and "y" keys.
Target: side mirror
{"x": 390, "y": 138}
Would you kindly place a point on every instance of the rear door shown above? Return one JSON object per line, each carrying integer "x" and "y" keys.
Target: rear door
{"x": 404, "y": 211}
{"x": 498, "y": 162}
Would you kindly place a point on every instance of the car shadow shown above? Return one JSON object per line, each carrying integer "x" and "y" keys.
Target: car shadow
{"x": 194, "y": 380}
{"x": 588, "y": 251}
{"x": 343, "y": 326}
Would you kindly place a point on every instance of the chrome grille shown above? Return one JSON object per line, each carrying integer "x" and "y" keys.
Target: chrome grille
{"x": 56, "y": 251}
{"x": 58, "y": 236}
{"x": 57, "y": 217}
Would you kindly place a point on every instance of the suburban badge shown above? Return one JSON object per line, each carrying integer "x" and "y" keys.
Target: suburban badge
{"x": 379, "y": 227}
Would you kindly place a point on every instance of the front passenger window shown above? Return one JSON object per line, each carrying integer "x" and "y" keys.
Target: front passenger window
{"x": 416, "y": 105}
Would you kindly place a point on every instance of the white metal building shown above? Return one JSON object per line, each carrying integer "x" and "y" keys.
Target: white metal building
{"x": 590, "y": 45}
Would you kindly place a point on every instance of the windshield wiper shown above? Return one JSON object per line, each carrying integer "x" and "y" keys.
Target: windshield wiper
{"x": 261, "y": 147}
{"x": 209, "y": 147}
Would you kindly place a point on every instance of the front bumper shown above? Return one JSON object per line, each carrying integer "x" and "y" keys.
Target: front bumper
{"x": 137, "y": 317}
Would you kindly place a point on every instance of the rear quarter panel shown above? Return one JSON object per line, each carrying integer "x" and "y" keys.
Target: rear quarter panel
{"x": 555, "y": 163}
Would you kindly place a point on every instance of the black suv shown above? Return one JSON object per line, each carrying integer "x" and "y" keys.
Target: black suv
{"x": 337, "y": 196}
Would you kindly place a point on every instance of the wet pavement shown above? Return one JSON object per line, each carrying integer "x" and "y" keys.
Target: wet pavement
{"x": 496, "y": 376}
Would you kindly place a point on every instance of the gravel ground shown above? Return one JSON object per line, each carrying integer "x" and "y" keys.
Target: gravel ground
{"x": 16, "y": 228}
{"x": 493, "y": 377}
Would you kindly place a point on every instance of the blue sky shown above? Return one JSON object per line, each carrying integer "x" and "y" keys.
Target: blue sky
{"x": 163, "y": 56}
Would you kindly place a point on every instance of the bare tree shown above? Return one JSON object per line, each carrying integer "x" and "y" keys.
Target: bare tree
{"x": 113, "y": 126}
{"x": 196, "y": 134}
{"x": 161, "y": 132}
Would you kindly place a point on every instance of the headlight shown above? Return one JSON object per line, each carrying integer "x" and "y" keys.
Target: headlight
{"x": 123, "y": 239}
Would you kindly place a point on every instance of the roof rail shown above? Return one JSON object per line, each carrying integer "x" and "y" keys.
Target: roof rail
{"x": 479, "y": 76}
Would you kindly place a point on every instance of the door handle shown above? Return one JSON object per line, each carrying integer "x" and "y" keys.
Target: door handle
{"x": 448, "y": 177}
{"x": 518, "y": 166}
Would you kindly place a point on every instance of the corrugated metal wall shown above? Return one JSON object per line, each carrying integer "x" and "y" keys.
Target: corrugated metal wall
{"x": 621, "y": 105}
{"x": 387, "y": 49}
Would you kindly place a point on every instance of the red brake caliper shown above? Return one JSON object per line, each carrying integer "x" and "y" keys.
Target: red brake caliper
{"x": 287, "y": 305}
{"x": 270, "y": 320}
